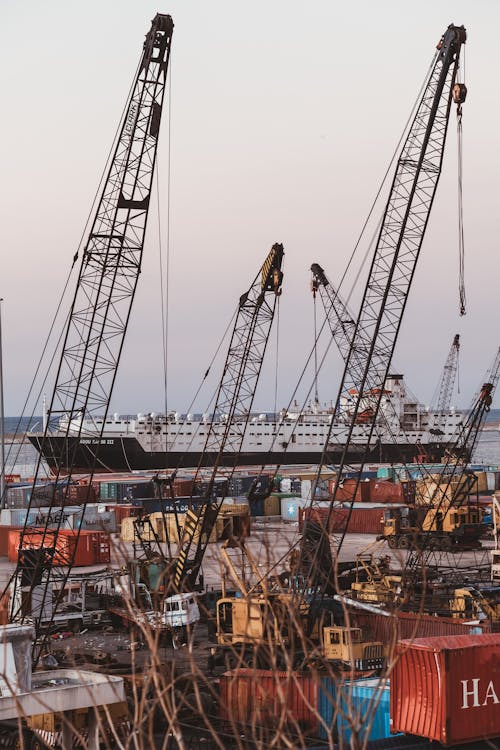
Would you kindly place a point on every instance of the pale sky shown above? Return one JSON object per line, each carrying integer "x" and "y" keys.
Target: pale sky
{"x": 284, "y": 117}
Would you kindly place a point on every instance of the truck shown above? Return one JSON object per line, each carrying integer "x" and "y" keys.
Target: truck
{"x": 446, "y": 528}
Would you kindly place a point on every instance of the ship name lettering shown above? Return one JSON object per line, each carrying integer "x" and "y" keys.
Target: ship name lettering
{"x": 472, "y": 692}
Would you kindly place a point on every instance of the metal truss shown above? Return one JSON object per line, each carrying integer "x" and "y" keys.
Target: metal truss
{"x": 397, "y": 249}
{"x": 233, "y": 404}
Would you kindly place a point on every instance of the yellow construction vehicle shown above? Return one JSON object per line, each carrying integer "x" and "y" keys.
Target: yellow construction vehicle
{"x": 272, "y": 622}
{"x": 476, "y": 603}
{"x": 374, "y": 581}
{"x": 347, "y": 646}
{"x": 441, "y": 528}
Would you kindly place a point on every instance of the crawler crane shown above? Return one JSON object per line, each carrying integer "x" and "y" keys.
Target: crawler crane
{"x": 394, "y": 261}
{"x": 98, "y": 319}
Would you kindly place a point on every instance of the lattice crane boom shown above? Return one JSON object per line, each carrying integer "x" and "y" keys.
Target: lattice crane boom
{"x": 233, "y": 406}
{"x": 448, "y": 377}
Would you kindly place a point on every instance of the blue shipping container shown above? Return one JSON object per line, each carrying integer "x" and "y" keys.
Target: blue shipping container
{"x": 362, "y": 705}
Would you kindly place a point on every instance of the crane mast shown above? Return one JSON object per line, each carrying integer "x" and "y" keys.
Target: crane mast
{"x": 398, "y": 245}
{"x": 233, "y": 406}
{"x": 107, "y": 280}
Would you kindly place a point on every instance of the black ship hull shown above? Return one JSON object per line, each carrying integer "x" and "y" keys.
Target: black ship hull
{"x": 122, "y": 454}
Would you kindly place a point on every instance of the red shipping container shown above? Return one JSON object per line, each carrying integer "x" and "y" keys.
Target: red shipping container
{"x": 361, "y": 520}
{"x": 123, "y": 510}
{"x": 4, "y": 538}
{"x": 410, "y": 625}
{"x": 261, "y": 696}
{"x": 447, "y": 689}
{"x": 386, "y": 491}
{"x": 81, "y": 493}
{"x": 92, "y": 547}
{"x": 181, "y": 488}
{"x": 345, "y": 491}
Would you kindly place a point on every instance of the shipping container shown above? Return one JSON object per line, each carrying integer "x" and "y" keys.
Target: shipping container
{"x": 272, "y": 505}
{"x": 321, "y": 491}
{"x": 400, "y": 625}
{"x": 290, "y": 507}
{"x": 354, "y": 707}
{"x": 365, "y": 520}
{"x": 86, "y": 548}
{"x": 264, "y": 698}
{"x": 4, "y": 538}
{"x": 447, "y": 688}
{"x": 351, "y": 489}
{"x": 386, "y": 491}
{"x": 387, "y": 472}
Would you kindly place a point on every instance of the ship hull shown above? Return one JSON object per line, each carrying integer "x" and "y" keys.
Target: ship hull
{"x": 122, "y": 454}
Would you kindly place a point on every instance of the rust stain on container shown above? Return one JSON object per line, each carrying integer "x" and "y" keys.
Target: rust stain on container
{"x": 447, "y": 688}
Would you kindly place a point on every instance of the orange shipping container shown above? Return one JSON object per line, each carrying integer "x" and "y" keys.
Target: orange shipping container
{"x": 4, "y": 538}
{"x": 346, "y": 490}
{"x": 88, "y": 548}
{"x": 360, "y": 521}
{"x": 447, "y": 689}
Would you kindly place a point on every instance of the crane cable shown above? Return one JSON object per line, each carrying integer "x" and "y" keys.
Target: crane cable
{"x": 277, "y": 356}
{"x": 316, "y": 397}
{"x": 461, "y": 94}
{"x": 461, "y": 240}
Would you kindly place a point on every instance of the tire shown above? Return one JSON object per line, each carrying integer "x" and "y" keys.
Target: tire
{"x": 392, "y": 542}
{"x": 404, "y": 542}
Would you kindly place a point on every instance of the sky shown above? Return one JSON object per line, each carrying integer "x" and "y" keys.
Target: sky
{"x": 283, "y": 118}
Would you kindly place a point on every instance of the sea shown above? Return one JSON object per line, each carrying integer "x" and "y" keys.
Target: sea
{"x": 21, "y": 457}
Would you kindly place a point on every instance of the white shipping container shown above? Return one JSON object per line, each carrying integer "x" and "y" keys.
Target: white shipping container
{"x": 321, "y": 492}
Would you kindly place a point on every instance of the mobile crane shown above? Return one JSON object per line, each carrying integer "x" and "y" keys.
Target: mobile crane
{"x": 100, "y": 310}
{"x": 396, "y": 254}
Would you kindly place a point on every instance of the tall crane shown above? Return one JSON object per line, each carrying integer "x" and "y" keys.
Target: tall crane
{"x": 102, "y": 302}
{"x": 398, "y": 245}
{"x": 233, "y": 403}
{"x": 444, "y": 391}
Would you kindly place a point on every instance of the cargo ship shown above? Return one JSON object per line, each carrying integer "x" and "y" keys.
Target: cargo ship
{"x": 405, "y": 431}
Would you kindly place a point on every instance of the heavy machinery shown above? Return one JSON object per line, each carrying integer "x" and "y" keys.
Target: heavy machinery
{"x": 476, "y": 602}
{"x": 447, "y": 528}
{"x": 234, "y": 401}
{"x": 393, "y": 264}
{"x": 100, "y": 311}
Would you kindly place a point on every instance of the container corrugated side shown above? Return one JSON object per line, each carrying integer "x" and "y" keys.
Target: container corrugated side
{"x": 448, "y": 689}
{"x": 354, "y": 707}
{"x": 364, "y": 711}
{"x": 412, "y": 625}
{"x": 261, "y": 697}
